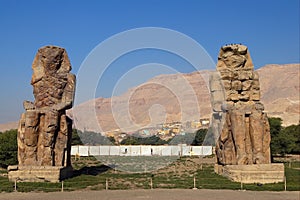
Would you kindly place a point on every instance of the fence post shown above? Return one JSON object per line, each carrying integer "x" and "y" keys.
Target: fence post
{"x": 284, "y": 183}
{"x": 62, "y": 186}
{"x": 15, "y": 185}
{"x": 241, "y": 181}
{"x": 151, "y": 183}
{"x": 106, "y": 184}
{"x": 194, "y": 188}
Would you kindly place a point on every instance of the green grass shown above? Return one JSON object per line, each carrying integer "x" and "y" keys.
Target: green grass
{"x": 208, "y": 179}
{"x": 5, "y": 185}
{"x": 93, "y": 176}
{"x": 293, "y": 177}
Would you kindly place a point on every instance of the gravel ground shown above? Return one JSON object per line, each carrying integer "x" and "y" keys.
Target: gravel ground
{"x": 156, "y": 194}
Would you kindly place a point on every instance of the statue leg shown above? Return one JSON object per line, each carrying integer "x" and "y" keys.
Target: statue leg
{"x": 248, "y": 143}
{"x": 20, "y": 140}
{"x": 48, "y": 137}
{"x": 225, "y": 146}
{"x": 30, "y": 136}
{"x": 256, "y": 134}
{"x": 239, "y": 135}
{"x": 266, "y": 140}
{"x": 61, "y": 141}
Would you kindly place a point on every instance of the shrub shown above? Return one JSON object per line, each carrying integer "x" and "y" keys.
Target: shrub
{"x": 8, "y": 148}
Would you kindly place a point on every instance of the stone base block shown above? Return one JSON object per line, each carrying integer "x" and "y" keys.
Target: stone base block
{"x": 258, "y": 173}
{"x": 39, "y": 173}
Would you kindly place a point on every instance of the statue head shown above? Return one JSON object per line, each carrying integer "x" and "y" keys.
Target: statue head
{"x": 50, "y": 60}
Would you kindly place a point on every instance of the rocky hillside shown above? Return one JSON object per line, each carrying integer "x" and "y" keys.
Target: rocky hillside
{"x": 170, "y": 98}
{"x": 8, "y": 126}
{"x": 185, "y": 97}
{"x": 280, "y": 89}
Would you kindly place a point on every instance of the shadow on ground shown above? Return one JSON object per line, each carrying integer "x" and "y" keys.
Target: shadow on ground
{"x": 91, "y": 170}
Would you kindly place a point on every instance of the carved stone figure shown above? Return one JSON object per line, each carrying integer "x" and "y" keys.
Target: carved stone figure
{"x": 244, "y": 132}
{"x": 45, "y": 132}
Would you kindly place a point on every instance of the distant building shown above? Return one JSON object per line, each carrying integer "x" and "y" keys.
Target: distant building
{"x": 205, "y": 122}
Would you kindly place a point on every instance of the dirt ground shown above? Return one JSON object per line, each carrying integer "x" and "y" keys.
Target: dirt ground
{"x": 157, "y": 194}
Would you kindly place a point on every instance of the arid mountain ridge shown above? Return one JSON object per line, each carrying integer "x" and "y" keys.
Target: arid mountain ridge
{"x": 185, "y": 97}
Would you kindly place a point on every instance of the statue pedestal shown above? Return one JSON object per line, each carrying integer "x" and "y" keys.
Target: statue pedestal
{"x": 52, "y": 174}
{"x": 258, "y": 173}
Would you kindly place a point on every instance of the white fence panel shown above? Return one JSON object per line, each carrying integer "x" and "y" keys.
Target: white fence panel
{"x": 186, "y": 151}
{"x": 124, "y": 150}
{"x": 114, "y": 150}
{"x": 146, "y": 150}
{"x": 94, "y": 151}
{"x": 156, "y": 150}
{"x": 207, "y": 150}
{"x": 196, "y": 150}
{"x": 135, "y": 150}
{"x": 175, "y": 150}
{"x": 104, "y": 150}
{"x": 142, "y": 150}
{"x": 74, "y": 150}
{"x": 83, "y": 150}
{"x": 166, "y": 151}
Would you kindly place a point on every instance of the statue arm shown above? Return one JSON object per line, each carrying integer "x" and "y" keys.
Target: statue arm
{"x": 68, "y": 95}
{"x": 28, "y": 105}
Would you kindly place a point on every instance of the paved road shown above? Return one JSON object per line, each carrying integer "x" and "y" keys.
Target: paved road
{"x": 157, "y": 194}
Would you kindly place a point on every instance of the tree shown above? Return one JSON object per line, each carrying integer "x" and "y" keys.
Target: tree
{"x": 186, "y": 138}
{"x": 75, "y": 138}
{"x": 129, "y": 141}
{"x": 8, "y": 148}
{"x": 200, "y": 136}
{"x": 275, "y": 125}
{"x": 275, "y": 128}
{"x": 293, "y": 132}
{"x": 284, "y": 140}
{"x": 288, "y": 140}
{"x": 112, "y": 139}
{"x": 92, "y": 138}
{"x": 133, "y": 140}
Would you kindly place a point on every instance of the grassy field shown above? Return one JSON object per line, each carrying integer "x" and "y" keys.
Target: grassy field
{"x": 90, "y": 174}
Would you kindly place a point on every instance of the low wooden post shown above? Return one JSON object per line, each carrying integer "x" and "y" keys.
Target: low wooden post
{"x": 15, "y": 185}
{"x": 194, "y": 188}
{"x": 151, "y": 183}
{"x": 106, "y": 184}
{"x": 241, "y": 181}
{"x": 62, "y": 186}
{"x": 284, "y": 183}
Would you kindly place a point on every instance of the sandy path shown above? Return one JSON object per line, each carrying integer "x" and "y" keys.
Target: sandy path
{"x": 157, "y": 194}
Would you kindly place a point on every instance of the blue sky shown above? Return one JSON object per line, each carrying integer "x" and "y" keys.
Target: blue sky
{"x": 270, "y": 29}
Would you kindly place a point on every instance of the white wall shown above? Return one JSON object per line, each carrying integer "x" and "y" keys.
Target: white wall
{"x": 142, "y": 150}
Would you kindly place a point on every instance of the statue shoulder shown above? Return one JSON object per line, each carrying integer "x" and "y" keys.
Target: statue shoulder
{"x": 71, "y": 76}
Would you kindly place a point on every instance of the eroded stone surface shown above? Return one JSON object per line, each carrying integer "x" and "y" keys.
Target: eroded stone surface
{"x": 257, "y": 173}
{"x": 242, "y": 124}
{"x": 44, "y": 132}
{"x": 52, "y": 174}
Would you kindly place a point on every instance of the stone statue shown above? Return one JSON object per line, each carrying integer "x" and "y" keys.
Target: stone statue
{"x": 45, "y": 132}
{"x": 244, "y": 132}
